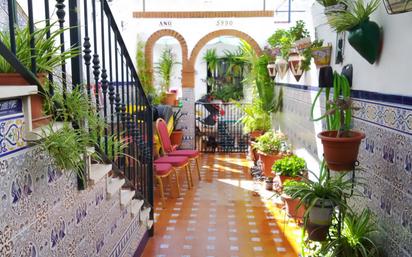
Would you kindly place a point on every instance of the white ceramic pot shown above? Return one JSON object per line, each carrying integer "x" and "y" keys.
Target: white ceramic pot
{"x": 321, "y": 213}
{"x": 281, "y": 66}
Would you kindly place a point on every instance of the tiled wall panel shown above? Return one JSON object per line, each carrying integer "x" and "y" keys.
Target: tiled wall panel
{"x": 44, "y": 214}
{"x": 385, "y": 156}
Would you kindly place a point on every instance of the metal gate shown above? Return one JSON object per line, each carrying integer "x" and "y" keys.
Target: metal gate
{"x": 218, "y": 128}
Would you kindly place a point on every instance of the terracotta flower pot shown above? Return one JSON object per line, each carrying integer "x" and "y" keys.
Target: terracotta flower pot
{"x": 267, "y": 162}
{"x": 295, "y": 65}
{"x": 170, "y": 98}
{"x": 256, "y": 133}
{"x": 291, "y": 207}
{"x": 176, "y": 137}
{"x": 37, "y": 101}
{"x": 341, "y": 153}
{"x": 322, "y": 56}
{"x": 316, "y": 232}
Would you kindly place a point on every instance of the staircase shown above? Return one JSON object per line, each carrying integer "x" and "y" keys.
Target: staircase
{"x": 106, "y": 72}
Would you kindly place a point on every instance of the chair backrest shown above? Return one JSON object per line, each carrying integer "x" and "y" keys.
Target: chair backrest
{"x": 163, "y": 134}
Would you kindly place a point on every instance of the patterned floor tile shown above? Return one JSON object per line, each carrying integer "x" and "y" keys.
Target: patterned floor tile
{"x": 220, "y": 218}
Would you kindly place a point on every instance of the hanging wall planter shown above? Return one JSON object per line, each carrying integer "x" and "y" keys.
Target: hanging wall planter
{"x": 397, "y": 6}
{"x": 322, "y": 56}
{"x": 272, "y": 70}
{"x": 365, "y": 38}
{"x": 332, "y": 9}
{"x": 302, "y": 43}
{"x": 282, "y": 66}
{"x": 295, "y": 65}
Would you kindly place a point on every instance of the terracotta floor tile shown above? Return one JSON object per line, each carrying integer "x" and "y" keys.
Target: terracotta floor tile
{"x": 221, "y": 216}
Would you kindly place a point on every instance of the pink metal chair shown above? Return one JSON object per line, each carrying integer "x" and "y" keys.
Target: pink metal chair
{"x": 170, "y": 150}
{"x": 178, "y": 162}
{"x": 164, "y": 170}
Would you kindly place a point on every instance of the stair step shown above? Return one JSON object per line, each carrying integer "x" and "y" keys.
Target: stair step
{"x": 126, "y": 196}
{"x": 145, "y": 214}
{"x": 43, "y": 131}
{"x": 98, "y": 171}
{"x": 136, "y": 206}
{"x": 114, "y": 185}
{"x": 149, "y": 224}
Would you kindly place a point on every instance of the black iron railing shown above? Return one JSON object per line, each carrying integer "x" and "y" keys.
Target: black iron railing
{"x": 218, "y": 128}
{"x": 106, "y": 72}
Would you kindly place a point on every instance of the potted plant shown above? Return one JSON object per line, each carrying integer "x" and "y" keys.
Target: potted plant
{"x": 332, "y": 6}
{"x": 340, "y": 143}
{"x": 270, "y": 147}
{"x": 289, "y": 168}
{"x": 294, "y": 207}
{"x": 48, "y": 57}
{"x": 356, "y": 238}
{"x": 281, "y": 42}
{"x": 300, "y": 35}
{"x": 364, "y": 35}
{"x": 177, "y": 134}
{"x": 320, "y": 197}
{"x": 269, "y": 183}
{"x": 296, "y": 64}
{"x": 321, "y": 54}
{"x": 165, "y": 68}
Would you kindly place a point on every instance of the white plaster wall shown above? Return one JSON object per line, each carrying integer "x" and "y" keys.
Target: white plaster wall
{"x": 205, "y": 5}
{"x": 391, "y": 74}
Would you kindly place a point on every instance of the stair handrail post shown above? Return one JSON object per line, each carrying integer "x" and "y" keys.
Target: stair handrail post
{"x": 75, "y": 41}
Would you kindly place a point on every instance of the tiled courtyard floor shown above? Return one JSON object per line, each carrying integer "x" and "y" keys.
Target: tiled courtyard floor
{"x": 221, "y": 216}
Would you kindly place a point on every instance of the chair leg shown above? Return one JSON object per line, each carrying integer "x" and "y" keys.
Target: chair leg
{"x": 162, "y": 193}
{"x": 198, "y": 168}
{"x": 177, "y": 183}
{"x": 188, "y": 176}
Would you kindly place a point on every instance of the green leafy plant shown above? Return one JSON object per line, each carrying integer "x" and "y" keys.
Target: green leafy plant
{"x": 338, "y": 112}
{"x": 258, "y": 76}
{"x": 47, "y": 50}
{"x": 307, "y": 54}
{"x": 281, "y": 40}
{"x": 165, "y": 67}
{"x": 211, "y": 59}
{"x": 143, "y": 70}
{"x": 115, "y": 146}
{"x": 271, "y": 142}
{"x": 356, "y": 239}
{"x": 255, "y": 118}
{"x": 66, "y": 146}
{"x": 228, "y": 92}
{"x": 291, "y": 166}
{"x": 335, "y": 189}
{"x": 177, "y": 115}
{"x": 356, "y": 13}
{"x": 298, "y": 31}
{"x": 327, "y": 3}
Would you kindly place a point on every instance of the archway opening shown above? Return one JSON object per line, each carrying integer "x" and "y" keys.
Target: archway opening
{"x": 225, "y": 73}
{"x": 167, "y": 49}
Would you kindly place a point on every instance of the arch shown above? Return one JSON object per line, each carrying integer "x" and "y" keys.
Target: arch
{"x": 151, "y": 41}
{"x": 190, "y": 75}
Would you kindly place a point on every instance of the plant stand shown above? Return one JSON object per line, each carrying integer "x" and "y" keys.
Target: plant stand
{"x": 341, "y": 215}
